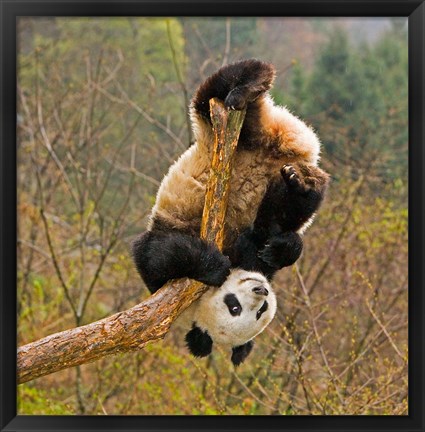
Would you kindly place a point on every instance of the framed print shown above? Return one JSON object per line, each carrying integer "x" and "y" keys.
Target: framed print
{"x": 212, "y": 215}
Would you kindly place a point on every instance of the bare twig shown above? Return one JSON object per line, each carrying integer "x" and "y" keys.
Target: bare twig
{"x": 51, "y": 248}
{"x": 383, "y": 328}
{"x": 228, "y": 38}
{"x": 181, "y": 82}
{"x": 318, "y": 337}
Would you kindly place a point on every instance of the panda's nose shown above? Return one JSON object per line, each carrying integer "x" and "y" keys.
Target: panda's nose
{"x": 261, "y": 290}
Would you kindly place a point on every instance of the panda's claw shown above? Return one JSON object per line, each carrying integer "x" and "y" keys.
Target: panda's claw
{"x": 287, "y": 171}
{"x": 291, "y": 177}
{"x": 236, "y": 100}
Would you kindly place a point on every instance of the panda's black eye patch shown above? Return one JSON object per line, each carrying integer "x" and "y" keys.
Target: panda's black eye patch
{"x": 233, "y": 304}
{"x": 262, "y": 309}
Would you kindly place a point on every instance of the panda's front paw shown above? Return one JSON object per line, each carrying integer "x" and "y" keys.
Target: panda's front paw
{"x": 215, "y": 269}
{"x": 282, "y": 250}
{"x": 293, "y": 179}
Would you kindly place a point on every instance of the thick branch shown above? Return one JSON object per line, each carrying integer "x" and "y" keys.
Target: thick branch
{"x": 150, "y": 320}
{"x": 226, "y": 130}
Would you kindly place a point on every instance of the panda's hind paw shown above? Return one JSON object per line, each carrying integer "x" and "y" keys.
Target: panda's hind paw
{"x": 237, "y": 99}
{"x": 249, "y": 80}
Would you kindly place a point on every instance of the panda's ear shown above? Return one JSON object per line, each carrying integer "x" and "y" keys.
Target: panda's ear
{"x": 241, "y": 352}
{"x": 199, "y": 342}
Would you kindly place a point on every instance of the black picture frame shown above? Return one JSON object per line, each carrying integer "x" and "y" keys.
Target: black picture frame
{"x": 414, "y": 10}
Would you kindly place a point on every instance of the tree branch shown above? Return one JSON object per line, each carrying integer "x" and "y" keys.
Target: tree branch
{"x": 150, "y": 320}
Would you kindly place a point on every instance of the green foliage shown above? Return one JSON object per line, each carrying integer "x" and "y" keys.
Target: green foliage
{"x": 298, "y": 96}
{"x": 35, "y": 401}
{"x": 334, "y": 82}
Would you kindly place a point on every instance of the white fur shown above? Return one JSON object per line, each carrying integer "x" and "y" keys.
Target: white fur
{"x": 306, "y": 225}
{"x": 302, "y": 137}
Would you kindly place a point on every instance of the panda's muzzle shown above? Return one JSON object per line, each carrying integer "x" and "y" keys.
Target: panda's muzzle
{"x": 261, "y": 290}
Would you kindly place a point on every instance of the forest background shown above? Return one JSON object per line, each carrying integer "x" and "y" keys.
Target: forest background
{"x": 102, "y": 113}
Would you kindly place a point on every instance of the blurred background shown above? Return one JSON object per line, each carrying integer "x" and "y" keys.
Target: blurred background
{"x": 103, "y": 112}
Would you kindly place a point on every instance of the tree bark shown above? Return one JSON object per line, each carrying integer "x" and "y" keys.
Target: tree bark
{"x": 150, "y": 320}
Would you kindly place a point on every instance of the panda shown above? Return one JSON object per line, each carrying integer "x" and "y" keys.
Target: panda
{"x": 230, "y": 316}
{"x": 276, "y": 189}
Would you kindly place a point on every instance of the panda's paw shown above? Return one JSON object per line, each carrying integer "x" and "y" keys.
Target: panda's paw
{"x": 293, "y": 180}
{"x": 215, "y": 269}
{"x": 237, "y": 99}
{"x": 282, "y": 250}
{"x": 270, "y": 254}
{"x": 250, "y": 79}
{"x": 240, "y": 353}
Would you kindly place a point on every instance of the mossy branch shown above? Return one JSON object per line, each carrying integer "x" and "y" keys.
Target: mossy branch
{"x": 150, "y": 320}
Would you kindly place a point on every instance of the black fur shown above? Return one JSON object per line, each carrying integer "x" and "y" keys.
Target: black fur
{"x": 289, "y": 203}
{"x": 240, "y": 353}
{"x": 282, "y": 250}
{"x": 161, "y": 256}
{"x": 232, "y": 303}
{"x": 239, "y": 85}
{"x": 199, "y": 342}
{"x": 250, "y": 253}
{"x": 262, "y": 309}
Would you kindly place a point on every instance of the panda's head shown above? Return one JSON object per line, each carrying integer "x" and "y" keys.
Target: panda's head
{"x": 232, "y": 315}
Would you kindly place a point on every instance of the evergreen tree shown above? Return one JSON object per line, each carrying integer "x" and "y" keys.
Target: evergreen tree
{"x": 356, "y": 97}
